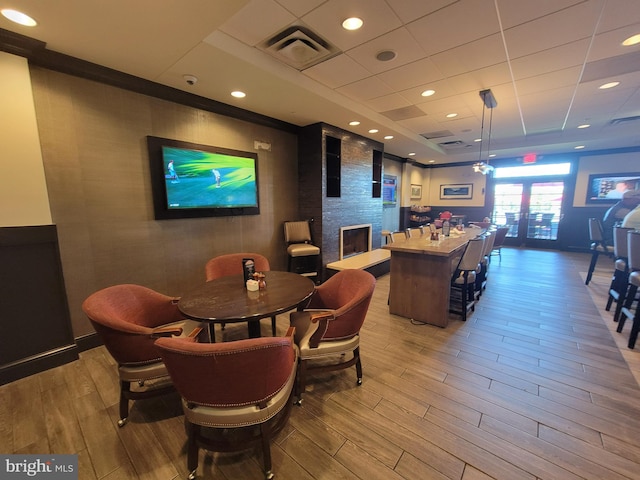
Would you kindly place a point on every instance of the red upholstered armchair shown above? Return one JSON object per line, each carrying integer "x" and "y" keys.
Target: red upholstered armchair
{"x": 231, "y": 264}
{"x": 232, "y": 385}
{"x": 129, "y": 318}
{"x": 330, "y": 326}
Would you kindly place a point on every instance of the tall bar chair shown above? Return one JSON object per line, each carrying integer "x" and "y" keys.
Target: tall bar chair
{"x": 598, "y": 246}
{"x": 629, "y": 299}
{"x": 620, "y": 276}
{"x": 463, "y": 280}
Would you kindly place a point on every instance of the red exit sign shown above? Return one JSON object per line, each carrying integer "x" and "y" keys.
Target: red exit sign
{"x": 530, "y": 158}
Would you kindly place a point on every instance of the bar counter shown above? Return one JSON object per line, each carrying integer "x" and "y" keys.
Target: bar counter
{"x": 421, "y": 275}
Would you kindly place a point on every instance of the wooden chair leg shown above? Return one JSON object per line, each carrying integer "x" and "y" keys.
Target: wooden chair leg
{"x": 125, "y": 388}
{"x": 356, "y": 354}
{"x": 193, "y": 431}
{"x": 302, "y": 380}
{"x": 633, "y": 336}
{"x": 592, "y": 266}
{"x": 630, "y": 297}
{"x": 273, "y": 325}
{"x": 265, "y": 434}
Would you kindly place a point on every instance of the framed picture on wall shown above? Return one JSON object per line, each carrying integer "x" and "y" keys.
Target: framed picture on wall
{"x": 458, "y": 191}
{"x": 416, "y": 191}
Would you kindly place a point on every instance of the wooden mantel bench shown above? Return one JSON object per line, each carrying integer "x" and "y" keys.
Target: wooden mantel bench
{"x": 375, "y": 262}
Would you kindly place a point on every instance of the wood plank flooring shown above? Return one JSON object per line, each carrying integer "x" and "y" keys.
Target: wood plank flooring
{"x": 535, "y": 385}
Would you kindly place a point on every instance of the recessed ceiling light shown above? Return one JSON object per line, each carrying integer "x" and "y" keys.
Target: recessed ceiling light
{"x": 354, "y": 123}
{"x": 412, "y": 154}
{"x": 633, "y": 40}
{"x": 388, "y": 137}
{"x": 373, "y": 130}
{"x": 18, "y": 17}
{"x": 451, "y": 115}
{"x": 609, "y": 85}
{"x": 584, "y": 125}
{"x": 478, "y": 140}
{"x": 428, "y": 93}
{"x": 432, "y": 161}
{"x": 578, "y": 147}
{"x": 491, "y": 155}
{"x": 238, "y": 94}
{"x": 353, "y": 23}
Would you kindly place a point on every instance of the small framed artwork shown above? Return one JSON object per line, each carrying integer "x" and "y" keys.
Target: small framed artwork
{"x": 416, "y": 191}
{"x": 460, "y": 191}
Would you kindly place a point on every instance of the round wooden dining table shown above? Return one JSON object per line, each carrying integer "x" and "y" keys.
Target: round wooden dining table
{"x": 226, "y": 300}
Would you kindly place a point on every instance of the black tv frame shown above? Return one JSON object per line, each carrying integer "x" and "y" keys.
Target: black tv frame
{"x": 159, "y": 186}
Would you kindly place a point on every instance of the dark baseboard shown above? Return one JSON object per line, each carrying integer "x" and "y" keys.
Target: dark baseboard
{"x": 379, "y": 269}
{"x": 87, "y": 342}
{"x": 38, "y": 363}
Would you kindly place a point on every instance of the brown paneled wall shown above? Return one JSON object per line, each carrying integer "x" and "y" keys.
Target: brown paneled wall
{"x": 96, "y": 165}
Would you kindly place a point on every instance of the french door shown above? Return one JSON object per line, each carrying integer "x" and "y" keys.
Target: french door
{"x": 532, "y": 210}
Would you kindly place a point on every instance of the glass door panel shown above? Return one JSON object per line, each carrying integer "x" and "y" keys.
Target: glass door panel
{"x": 508, "y": 206}
{"x": 545, "y": 204}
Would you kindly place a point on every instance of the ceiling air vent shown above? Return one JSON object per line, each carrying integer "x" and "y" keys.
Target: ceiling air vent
{"x": 299, "y": 47}
{"x": 624, "y": 120}
{"x": 453, "y": 144}
{"x": 437, "y": 134}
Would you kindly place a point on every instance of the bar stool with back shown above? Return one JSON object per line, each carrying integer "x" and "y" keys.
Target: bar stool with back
{"x": 598, "y": 246}
{"x": 303, "y": 255}
{"x": 626, "y": 303}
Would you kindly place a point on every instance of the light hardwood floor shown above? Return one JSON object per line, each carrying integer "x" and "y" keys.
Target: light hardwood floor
{"x": 534, "y": 385}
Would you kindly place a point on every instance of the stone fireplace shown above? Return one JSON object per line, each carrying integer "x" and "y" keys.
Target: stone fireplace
{"x": 355, "y": 239}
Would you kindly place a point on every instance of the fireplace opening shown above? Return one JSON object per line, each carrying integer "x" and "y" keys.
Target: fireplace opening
{"x": 354, "y": 239}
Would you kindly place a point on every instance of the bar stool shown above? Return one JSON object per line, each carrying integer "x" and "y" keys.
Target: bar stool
{"x": 620, "y": 276}
{"x": 485, "y": 260}
{"x": 463, "y": 280}
{"x": 627, "y": 302}
{"x": 598, "y": 246}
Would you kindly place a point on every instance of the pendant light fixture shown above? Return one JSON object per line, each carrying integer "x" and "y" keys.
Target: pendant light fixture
{"x": 488, "y": 102}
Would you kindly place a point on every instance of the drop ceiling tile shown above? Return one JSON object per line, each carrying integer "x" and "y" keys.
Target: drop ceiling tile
{"x": 568, "y": 55}
{"x": 326, "y": 20}
{"x": 619, "y": 14}
{"x": 388, "y": 102}
{"x": 409, "y": 10}
{"x": 472, "y": 56}
{"x": 489, "y": 77}
{"x": 442, "y": 89}
{"x": 257, "y": 21}
{"x": 300, "y": 7}
{"x": 365, "y": 89}
{"x": 609, "y": 44}
{"x": 565, "y": 26}
{"x": 516, "y": 13}
{"x": 337, "y": 71}
{"x": 551, "y": 81}
{"x": 411, "y": 75}
{"x": 399, "y": 41}
{"x": 469, "y": 19}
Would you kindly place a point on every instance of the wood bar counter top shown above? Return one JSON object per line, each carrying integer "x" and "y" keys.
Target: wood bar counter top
{"x": 421, "y": 275}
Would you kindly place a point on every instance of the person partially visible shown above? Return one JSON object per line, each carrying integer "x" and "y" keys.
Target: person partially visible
{"x": 632, "y": 219}
{"x": 617, "y": 213}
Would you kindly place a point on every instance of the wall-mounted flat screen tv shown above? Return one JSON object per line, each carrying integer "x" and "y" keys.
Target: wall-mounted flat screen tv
{"x": 609, "y": 187}
{"x": 191, "y": 180}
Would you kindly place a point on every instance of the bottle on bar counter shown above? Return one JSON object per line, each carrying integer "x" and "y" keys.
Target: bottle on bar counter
{"x": 446, "y": 228}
